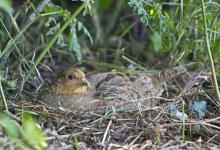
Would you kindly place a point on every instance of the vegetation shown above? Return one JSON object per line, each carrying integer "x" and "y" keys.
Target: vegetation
{"x": 37, "y": 37}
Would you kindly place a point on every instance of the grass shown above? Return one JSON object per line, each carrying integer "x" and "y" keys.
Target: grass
{"x": 3, "y": 99}
{"x": 130, "y": 36}
{"x": 55, "y": 37}
{"x": 212, "y": 65}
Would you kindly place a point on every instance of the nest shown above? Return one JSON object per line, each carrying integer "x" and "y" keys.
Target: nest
{"x": 144, "y": 128}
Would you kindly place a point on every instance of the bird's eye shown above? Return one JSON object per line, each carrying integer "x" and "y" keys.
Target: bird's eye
{"x": 71, "y": 77}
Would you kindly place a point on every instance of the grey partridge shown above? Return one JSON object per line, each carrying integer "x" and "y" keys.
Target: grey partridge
{"x": 75, "y": 91}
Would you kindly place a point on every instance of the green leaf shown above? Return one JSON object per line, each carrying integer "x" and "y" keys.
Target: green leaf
{"x": 10, "y": 127}
{"x": 32, "y": 133}
{"x": 60, "y": 41}
{"x": 6, "y": 5}
{"x": 74, "y": 45}
{"x": 51, "y": 8}
{"x": 53, "y": 30}
{"x": 81, "y": 27}
{"x": 156, "y": 42}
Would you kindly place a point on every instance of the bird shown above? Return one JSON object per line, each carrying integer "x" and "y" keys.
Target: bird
{"x": 74, "y": 90}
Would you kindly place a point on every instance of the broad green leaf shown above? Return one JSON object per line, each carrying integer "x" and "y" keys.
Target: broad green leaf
{"x": 10, "y": 127}
{"x": 6, "y": 5}
{"x": 156, "y": 42}
{"x": 32, "y": 133}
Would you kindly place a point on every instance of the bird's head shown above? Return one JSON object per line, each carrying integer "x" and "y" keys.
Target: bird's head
{"x": 72, "y": 81}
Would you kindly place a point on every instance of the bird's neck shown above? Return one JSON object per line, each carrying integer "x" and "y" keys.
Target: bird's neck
{"x": 81, "y": 90}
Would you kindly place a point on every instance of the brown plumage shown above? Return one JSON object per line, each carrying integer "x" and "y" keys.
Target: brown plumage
{"x": 74, "y": 91}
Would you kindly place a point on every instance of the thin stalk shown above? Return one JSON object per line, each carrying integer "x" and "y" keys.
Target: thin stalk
{"x": 3, "y": 96}
{"x": 53, "y": 40}
{"x": 14, "y": 39}
{"x": 215, "y": 83}
{"x": 112, "y": 22}
{"x": 184, "y": 121}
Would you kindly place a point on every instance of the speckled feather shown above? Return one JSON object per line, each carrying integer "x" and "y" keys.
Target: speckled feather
{"x": 106, "y": 89}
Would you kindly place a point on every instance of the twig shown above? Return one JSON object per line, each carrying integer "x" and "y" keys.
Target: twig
{"x": 106, "y": 132}
{"x": 137, "y": 137}
{"x": 204, "y": 122}
{"x": 12, "y": 116}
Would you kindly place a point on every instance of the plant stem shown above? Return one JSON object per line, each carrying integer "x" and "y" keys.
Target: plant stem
{"x": 14, "y": 39}
{"x": 53, "y": 40}
{"x": 3, "y": 96}
{"x": 215, "y": 83}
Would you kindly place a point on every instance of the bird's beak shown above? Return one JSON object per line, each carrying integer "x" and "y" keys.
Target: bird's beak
{"x": 86, "y": 82}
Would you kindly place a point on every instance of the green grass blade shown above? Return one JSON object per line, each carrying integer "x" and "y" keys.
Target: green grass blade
{"x": 215, "y": 83}
{"x": 53, "y": 40}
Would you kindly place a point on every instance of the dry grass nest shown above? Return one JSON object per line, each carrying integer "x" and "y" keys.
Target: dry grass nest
{"x": 147, "y": 128}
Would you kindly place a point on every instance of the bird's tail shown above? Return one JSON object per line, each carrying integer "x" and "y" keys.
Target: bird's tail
{"x": 172, "y": 72}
